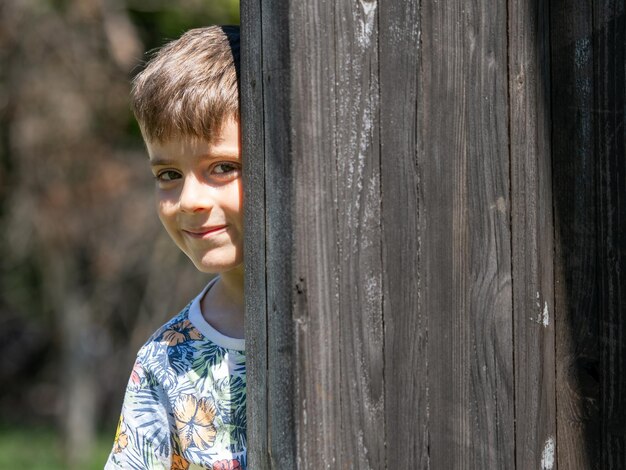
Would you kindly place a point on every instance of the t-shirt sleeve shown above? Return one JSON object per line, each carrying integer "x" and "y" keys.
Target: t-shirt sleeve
{"x": 143, "y": 439}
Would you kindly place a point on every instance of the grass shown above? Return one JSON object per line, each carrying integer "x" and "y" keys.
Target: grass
{"x": 41, "y": 449}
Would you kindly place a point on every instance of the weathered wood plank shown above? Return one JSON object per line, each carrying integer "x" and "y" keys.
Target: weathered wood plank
{"x": 532, "y": 232}
{"x": 406, "y": 386}
{"x": 576, "y": 292}
{"x": 279, "y": 232}
{"x": 609, "y": 74}
{"x": 316, "y": 309}
{"x": 251, "y": 91}
{"x": 359, "y": 235}
{"x": 466, "y": 239}
{"x": 589, "y": 89}
{"x": 335, "y": 287}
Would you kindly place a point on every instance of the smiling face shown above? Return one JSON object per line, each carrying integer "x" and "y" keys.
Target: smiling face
{"x": 199, "y": 197}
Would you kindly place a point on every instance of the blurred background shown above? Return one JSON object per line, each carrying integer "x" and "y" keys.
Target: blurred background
{"x": 86, "y": 271}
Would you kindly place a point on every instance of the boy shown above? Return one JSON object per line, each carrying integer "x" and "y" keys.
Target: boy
{"x": 185, "y": 404}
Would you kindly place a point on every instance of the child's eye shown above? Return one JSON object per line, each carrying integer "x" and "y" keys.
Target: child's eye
{"x": 225, "y": 168}
{"x": 167, "y": 175}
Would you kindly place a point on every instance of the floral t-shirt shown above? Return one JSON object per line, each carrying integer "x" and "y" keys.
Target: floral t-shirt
{"x": 185, "y": 404}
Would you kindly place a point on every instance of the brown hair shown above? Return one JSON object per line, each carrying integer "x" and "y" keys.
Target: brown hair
{"x": 189, "y": 86}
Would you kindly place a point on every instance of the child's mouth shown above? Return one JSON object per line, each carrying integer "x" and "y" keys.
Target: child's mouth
{"x": 204, "y": 232}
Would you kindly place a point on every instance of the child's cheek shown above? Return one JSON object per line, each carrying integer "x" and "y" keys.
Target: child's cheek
{"x": 165, "y": 202}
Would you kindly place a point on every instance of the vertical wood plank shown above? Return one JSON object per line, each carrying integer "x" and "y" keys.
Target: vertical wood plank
{"x": 448, "y": 433}
{"x": 466, "y": 239}
{"x": 589, "y": 88}
{"x": 576, "y": 293}
{"x": 338, "y": 308}
{"x": 251, "y": 92}
{"x": 532, "y": 232}
{"x": 277, "y": 119}
{"x": 334, "y": 285}
{"x": 337, "y": 250}
{"x": 406, "y": 386}
{"x": 316, "y": 306}
{"x": 359, "y": 235}
{"x": 609, "y": 73}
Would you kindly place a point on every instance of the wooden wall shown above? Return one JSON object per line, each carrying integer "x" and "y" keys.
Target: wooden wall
{"x": 436, "y": 234}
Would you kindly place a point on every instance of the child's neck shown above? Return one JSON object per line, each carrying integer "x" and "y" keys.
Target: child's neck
{"x": 223, "y": 307}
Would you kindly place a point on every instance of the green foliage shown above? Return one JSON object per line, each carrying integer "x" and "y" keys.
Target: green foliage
{"x": 41, "y": 449}
{"x": 80, "y": 241}
{"x": 160, "y": 21}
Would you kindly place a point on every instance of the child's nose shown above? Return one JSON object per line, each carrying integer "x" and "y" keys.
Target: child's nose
{"x": 195, "y": 195}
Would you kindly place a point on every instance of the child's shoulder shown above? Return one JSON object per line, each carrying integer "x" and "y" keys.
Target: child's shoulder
{"x": 188, "y": 336}
{"x": 177, "y": 330}
{"x": 177, "y": 337}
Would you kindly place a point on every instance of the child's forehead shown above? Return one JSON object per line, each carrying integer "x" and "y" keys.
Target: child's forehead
{"x": 211, "y": 133}
{"x": 224, "y": 143}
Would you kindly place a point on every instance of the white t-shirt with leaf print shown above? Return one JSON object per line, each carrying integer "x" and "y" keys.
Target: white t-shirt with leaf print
{"x": 185, "y": 403}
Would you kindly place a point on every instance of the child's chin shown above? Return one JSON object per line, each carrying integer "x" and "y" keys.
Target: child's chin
{"x": 214, "y": 267}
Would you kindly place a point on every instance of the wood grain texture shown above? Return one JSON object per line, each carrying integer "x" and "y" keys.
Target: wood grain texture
{"x": 316, "y": 305}
{"x": 466, "y": 237}
{"x": 359, "y": 235}
{"x": 337, "y": 251}
{"x": 443, "y": 243}
{"x": 576, "y": 292}
{"x": 532, "y": 234}
{"x": 251, "y": 97}
{"x": 609, "y": 51}
{"x": 588, "y": 78}
{"x": 279, "y": 202}
{"x": 406, "y": 378}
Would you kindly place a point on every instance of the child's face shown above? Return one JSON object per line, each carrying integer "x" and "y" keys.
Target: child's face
{"x": 199, "y": 197}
